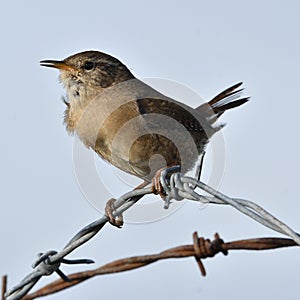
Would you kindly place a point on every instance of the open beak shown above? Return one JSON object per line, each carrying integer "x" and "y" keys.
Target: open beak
{"x": 61, "y": 65}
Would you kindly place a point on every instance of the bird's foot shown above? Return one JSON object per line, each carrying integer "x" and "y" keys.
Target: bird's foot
{"x": 161, "y": 180}
{"x": 113, "y": 220}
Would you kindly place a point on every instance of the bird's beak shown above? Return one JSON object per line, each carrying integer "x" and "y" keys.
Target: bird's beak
{"x": 61, "y": 65}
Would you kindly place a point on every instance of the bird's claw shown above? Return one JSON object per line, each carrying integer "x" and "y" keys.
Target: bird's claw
{"x": 116, "y": 221}
{"x": 161, "y": 180}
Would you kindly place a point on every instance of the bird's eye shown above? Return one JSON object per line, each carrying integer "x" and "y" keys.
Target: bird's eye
{"x": 89, "y": 65}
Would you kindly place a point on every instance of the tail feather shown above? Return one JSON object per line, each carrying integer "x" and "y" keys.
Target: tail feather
{"x": 226, "y": 93}
{"x": 227, "y": 99}
{"x": 222, "y": 108}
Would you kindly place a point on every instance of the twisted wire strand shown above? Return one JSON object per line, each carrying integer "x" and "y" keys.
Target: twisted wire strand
{"x": 200, "y": 249}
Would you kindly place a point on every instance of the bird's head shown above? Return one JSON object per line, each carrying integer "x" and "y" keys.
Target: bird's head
{"x": 85, "y": 75}
{"x": 90, "y": 69}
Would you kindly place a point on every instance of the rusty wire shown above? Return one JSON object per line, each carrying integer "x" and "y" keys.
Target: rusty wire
{"x": 178, "y": 187}
{"x": 200, "y": 249}
{"x": 4, "y": 286}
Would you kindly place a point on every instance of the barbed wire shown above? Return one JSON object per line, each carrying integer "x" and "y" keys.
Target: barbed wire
{"x": 200, "y": 249}
{"x": 177, "y": 187}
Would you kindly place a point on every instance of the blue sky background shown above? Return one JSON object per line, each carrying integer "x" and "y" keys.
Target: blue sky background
{"x": 206, "y": 46}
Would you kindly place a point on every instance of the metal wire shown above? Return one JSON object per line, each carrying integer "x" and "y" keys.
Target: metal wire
{"x": 177, "y": 187}
{"x": 200, "y": 249}
{"x": 246, "y": 207}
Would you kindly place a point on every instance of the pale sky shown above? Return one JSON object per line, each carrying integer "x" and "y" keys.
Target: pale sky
{"x": 204, "y": 46}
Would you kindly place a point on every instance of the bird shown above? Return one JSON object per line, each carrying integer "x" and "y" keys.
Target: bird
{"x": 130, "y": 124}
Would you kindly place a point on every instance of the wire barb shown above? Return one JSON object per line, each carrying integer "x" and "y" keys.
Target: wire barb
{"x": 4, "y": 287}
{"x": 205, "y": 248}
{"x": 199, "y": 245}
{"x": 44, "y": 266}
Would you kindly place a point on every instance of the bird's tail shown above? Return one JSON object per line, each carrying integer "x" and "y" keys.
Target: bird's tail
{"x": 227, "y": 99}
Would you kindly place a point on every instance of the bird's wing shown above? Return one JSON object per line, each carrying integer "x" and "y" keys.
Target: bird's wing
{"x": 169, "y": 109}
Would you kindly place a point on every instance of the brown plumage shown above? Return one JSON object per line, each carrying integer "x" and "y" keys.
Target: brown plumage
{"x": 128, "y": 123}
